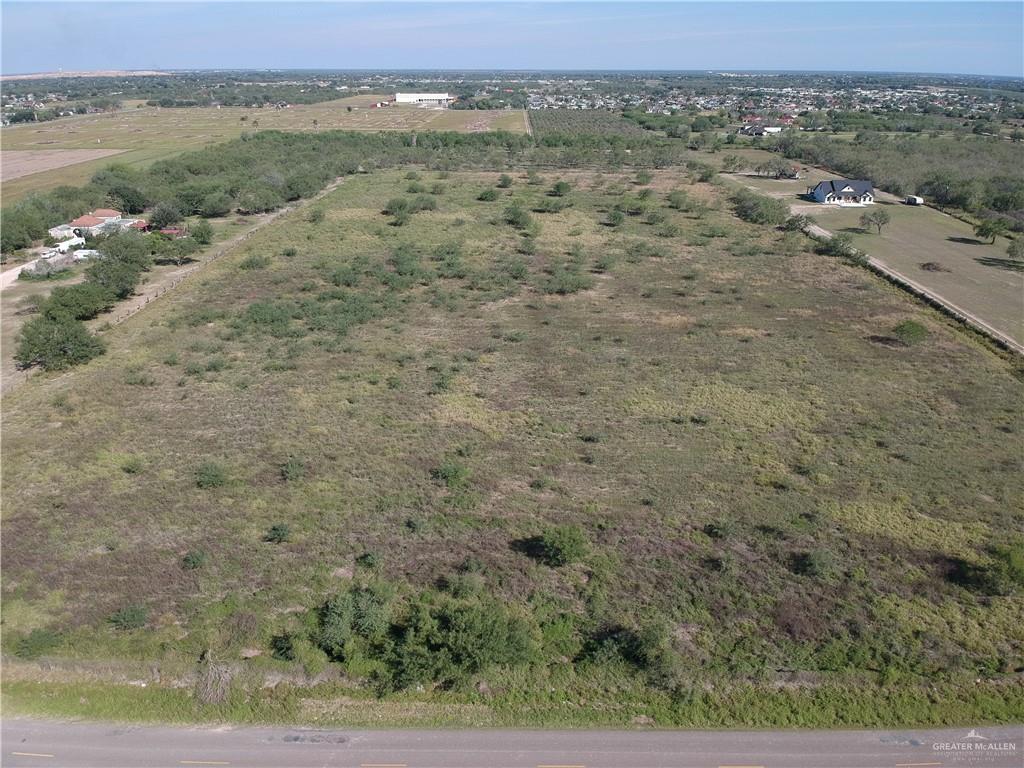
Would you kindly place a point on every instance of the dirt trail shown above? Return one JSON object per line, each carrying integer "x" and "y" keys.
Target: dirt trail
{"x": 166, "y": 281}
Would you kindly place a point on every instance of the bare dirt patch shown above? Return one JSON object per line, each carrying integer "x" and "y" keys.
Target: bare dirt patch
{"x": 17, "y": 163}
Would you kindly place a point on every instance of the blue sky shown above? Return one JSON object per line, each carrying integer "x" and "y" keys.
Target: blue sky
{"x": 962, "y": 37}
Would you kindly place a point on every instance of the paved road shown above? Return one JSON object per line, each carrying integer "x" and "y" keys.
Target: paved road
{"x": 51, "y": 744}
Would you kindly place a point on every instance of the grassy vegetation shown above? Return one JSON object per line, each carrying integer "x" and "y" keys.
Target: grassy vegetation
{"x": 504, "y": 464}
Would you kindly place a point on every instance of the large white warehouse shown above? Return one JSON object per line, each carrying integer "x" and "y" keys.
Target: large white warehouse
{"x": 433, "y": 99}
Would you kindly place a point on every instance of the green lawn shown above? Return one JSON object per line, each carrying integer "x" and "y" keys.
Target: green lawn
{"x": 787, "y": 517}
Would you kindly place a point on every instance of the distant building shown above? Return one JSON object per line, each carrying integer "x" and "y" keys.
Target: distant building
{"x": 424, "y": 99}
{"x": 914, "y": 200}
{"x": 843, "y": 192}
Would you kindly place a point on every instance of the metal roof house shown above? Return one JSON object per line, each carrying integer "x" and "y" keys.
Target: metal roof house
{"x": 843, "y": 192}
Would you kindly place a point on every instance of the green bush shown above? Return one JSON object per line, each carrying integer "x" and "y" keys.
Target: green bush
{"x": 132, "y": 465}
{"x": 56, "y": 344}
{"x": 562, "y": 545}
{"x": 504, "y": 181}
{"x": 77, "y": 302}
{"x": 560, "y": 189}
{"x": 277, "y": 534}
{"x": 488, "y": 195}
{"x": 129, "y": 617}
{"x": 211, "y": 475}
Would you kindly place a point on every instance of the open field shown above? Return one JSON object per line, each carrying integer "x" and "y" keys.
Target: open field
{"x": 145, "y": 135}
{"x": 676, "y": 471}
{"x": 17, "y": 163}
{"x": 972, "y": 274}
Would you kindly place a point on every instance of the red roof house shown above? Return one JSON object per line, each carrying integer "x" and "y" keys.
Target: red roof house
{"x": 86, "y": 221}
{"x": 106, "y": 213}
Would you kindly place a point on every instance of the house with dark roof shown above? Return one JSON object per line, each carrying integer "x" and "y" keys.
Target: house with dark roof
{"x": 843, "y": 192}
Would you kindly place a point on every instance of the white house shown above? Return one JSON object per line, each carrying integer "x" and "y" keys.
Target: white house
{"x": 423, "y": 99}
{"x": 843, "y": 192}
{"x": 61, "y": 232}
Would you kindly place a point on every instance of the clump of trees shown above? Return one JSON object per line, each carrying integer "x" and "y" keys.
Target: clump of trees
{"x": 759, "y": 209}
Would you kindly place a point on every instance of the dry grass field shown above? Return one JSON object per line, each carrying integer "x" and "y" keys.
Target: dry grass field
{"x": 17, "y": 163}
{"x": 777, "y": 501}
{"x": 147, "y": 134}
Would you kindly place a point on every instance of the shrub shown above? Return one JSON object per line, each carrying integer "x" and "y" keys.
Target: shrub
{"x": 562, "y": 545}
{"x": 193, "y": 559}
{"x": 615, "y": 218}
{"x": 201, "y": 232}
{"x": 254, "y": 261}
{"x": 210, "y": 475}
{"x": 560, "y": 189}
{"x": 396, "y": 205}
{"x": 910, "y": 332}
{"x": 316, "y": 215}
{"x": 277, "y": 534}
{"x": 488, "y": 195}
{"x": 368, "y": 560}
{"x": 817, "y": 562}
{"x": 643, "y": 177}
{"x": 290, "y": 252}
{"x": 415, "y": 188}
{"x": 132, "y": 465}
{"x": 564, "y": 281}
{"x": 129, "y": 617}
{"x": 517, "y": 217}
{"x": 56, "y": 344}
{"x": 282, "y": 647}
{"x": 362, "y": 612}
{"x": 504, "y": 181}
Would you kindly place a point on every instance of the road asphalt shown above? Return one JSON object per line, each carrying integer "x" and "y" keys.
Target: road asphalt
{"x": 54, "y": 744}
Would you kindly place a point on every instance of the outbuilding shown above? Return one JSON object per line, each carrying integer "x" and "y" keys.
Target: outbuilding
{"x": 914, "y": 200}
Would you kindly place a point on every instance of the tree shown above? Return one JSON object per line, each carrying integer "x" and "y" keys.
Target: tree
{"x": 164, "y": 215}
{"x": 877, "y": 218}
{"x": 991, "y": 228}
{"x": 202, "y": 232}
{"x": 56, "y": 344}
{"x": 1015, "y": 250}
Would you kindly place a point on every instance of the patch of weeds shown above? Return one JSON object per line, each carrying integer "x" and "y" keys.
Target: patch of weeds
{"x": 211, "y": 475}
{"x": 193, "y": 560}
{"x": 452, "y": 474}
{"x": 293, "y": 469}
{"x": 36, "y": 643}
{"x": 132, "y": 465}
{"x": 910, "y": 332}
{"x": 129, "y": 618}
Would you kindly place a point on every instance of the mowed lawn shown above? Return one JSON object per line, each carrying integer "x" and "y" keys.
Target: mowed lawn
{"x": 972, "y": 274}
{"x": 753, "y": 471}
{"x": 147, "y": 134}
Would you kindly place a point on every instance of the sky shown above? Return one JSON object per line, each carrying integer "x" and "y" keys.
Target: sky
{"x": 947, "y": 37}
